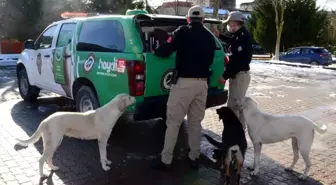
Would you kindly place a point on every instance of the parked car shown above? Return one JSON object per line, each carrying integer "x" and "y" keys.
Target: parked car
{"x": 308, "y": 55}
{"x": 260, "y": 53}
{"x": 92, "y": 59}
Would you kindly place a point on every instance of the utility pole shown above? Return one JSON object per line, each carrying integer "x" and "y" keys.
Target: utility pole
{"x": 176, "y": 7}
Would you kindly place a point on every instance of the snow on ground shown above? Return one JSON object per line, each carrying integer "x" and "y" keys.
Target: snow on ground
{"x": 7, "y": 73}
{"x": 263, "y": 72}
{"x": 264, "y": 77}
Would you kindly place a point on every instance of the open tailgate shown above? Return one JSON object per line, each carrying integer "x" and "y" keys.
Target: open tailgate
{"x": 159, "y": 70}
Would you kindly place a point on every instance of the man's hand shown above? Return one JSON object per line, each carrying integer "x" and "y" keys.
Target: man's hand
{"x": 215, "y": 32}
{"x": 222, "y": 80}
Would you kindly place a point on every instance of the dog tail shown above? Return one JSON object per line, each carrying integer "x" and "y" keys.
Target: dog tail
{"x": 212, "y": 141}
{"x": 33, "y": 139}
{"x": 320, "y": 129}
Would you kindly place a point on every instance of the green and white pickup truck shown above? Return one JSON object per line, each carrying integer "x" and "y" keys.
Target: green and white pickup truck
{"x": 92, "y": 59}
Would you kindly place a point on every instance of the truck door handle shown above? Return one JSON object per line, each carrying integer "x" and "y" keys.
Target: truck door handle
{"x": 47, "y": 56}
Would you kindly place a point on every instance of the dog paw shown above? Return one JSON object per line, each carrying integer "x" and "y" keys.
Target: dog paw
{"x": 108, "y": 162}
{"x": 54, "y": 168}
{"x": 253, "y": 173}
{"x": 289, "y": 169}
{"x": 302, "y": 177}
{"x": 106, "y": 168}
{"x": 43, "y": 176}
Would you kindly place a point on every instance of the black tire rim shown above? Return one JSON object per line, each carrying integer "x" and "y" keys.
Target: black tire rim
{"x": 85, "y": 104}
{"x": 24, "y": 86}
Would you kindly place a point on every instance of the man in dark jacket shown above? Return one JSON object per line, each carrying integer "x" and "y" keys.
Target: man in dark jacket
{"x": 238, "y": 67}
{"x": 195, "y": 49}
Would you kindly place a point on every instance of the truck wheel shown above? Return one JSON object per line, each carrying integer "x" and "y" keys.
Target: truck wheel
{"x": 86, "y": 99}
{"x": 28, "y": 92}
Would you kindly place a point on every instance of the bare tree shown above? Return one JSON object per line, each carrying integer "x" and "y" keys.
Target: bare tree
{"x": 216, "y": 4}
{"x": 279, "y": 8}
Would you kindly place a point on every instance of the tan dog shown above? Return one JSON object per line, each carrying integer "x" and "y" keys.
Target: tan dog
{"x": 95, "y": 124}
{"x": 265, "y": 128}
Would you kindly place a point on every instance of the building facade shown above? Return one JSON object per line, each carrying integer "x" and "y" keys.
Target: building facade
{"x": 174, "y": 7}
{"x": 227, "y": 4}
{"x": 247, "y": 6}
{"x": 204, "y": 3}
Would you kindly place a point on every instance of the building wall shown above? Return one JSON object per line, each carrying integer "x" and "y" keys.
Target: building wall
{"x": 171, "y": 7}
{"x": 182, "y": 11}
{"x": 205, "y": 3}
{"x": 247, "y": 6}
{"x": 225, "y": 4}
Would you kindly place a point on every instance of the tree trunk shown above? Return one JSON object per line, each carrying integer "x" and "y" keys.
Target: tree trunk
{"x": 278, "y": 41}
{"x": 216, "y": 4}
{"x": 278, "y": 4}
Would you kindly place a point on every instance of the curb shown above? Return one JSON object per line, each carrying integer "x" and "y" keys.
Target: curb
{"x": 296, "y": 65}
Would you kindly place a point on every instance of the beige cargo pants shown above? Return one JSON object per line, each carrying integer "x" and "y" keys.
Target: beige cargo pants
{"x": 187, "y": 97}
{"x": 237, "y": 91}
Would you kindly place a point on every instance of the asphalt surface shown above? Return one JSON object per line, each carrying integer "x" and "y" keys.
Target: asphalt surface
{"x": 278, "y": 89}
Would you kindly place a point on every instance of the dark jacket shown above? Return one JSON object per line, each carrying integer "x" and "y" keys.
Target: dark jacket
{"x": 195, "y": 49}
{"x": 241, "y": 48}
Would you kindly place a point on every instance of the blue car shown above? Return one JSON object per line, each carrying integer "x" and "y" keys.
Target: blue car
{"x": 308, "y": 55}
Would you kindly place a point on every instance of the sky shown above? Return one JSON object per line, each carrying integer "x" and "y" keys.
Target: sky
{"x": 327, "y": 4}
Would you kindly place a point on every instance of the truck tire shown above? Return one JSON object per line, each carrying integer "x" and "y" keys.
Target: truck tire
{"x": 86, "y": 99}
{"x": 28, "y": 92}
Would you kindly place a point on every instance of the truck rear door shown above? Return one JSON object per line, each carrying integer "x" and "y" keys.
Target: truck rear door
{"x": 155, "y": 30}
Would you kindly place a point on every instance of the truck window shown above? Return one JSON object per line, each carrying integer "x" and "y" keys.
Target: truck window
{"x": 65, "y": 34}
{"x": 45, "y": 40}
{"x": 102, "y": 36}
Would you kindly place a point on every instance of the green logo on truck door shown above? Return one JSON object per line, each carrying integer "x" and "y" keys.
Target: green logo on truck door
{"x": 89, "y": 63}
{"x": 166, "y": 80}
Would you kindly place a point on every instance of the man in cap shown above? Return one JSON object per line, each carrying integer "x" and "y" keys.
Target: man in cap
{"x": 238, "y": 67}
{"x": 195, "y": 49}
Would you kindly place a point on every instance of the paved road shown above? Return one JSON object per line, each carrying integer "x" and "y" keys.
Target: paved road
{"x": 278, "y": 90}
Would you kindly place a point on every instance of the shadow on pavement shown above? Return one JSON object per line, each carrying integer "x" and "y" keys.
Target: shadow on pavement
{"x": 271, "y": 172}
{"x": 131, "y": 147}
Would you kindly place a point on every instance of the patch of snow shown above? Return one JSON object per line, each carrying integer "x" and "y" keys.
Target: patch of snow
{"x": 262, "y": 71}
{"x": 260, "y": 95}
{"x": 333, "y": 95}
{"x": 266, "y": 87}
{"x": 137, "y": 156}
{"x": 4, "y": 78}
{"x": 298, "y": 100}
{"x": 48, "y": 108}
{"x": 133, "y": 156}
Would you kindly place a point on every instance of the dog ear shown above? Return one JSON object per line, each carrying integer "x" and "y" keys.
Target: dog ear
{"x": 122, "y": 103}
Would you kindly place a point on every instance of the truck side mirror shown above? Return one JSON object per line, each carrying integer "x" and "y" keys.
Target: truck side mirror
{"x": 29, "y": 44}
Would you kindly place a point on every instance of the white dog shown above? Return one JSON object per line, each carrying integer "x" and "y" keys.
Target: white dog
{"x": 95, "y": 124}
{"x": 265, "y": 128}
